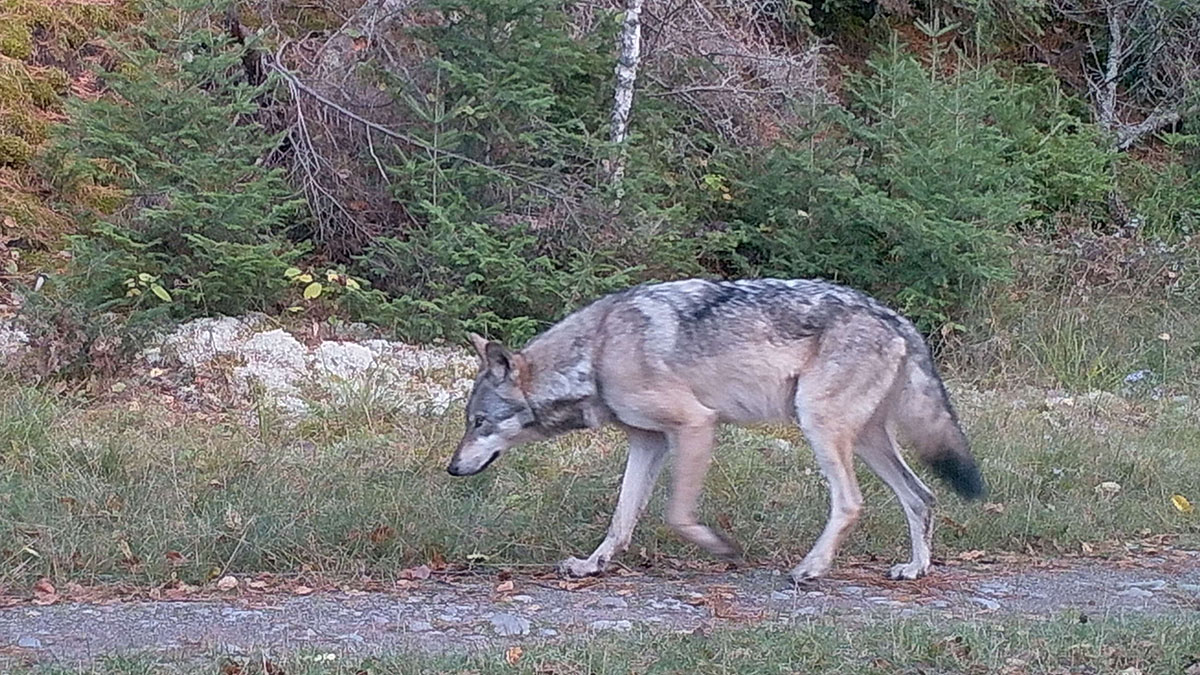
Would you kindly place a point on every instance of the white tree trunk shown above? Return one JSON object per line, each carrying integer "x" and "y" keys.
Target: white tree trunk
{"x": 627, "y": 66}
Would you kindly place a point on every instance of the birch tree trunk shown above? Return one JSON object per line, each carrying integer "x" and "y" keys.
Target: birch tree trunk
{"x": 627, "y": 66}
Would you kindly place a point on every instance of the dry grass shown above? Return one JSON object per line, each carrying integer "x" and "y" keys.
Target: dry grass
{"x": 106, "y": 492}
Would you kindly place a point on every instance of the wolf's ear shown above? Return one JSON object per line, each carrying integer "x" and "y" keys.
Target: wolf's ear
{"x": 498, "y": 360}
{"x": 480, "y": 344}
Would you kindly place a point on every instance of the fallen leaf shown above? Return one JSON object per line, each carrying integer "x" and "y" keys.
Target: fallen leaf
{"x": 157, "y": 372}
{"x": 505, "y": 586}
{"x": 993, "y": 507}
{"x": 175, "y": 559}
{"x": 233, "y": 519}
{"x": 1182, "y": 504}
{"x": 227, "y": 583}
{"x": 572, "y": 585}
{"x": 302, "y": 590}
{"x": 44, "y": 592}
{"x": 382, "y": 533}
{"x": 1108, "y": 488}
{"x": 257, "y": 585}
{"x": 513, "y": 654}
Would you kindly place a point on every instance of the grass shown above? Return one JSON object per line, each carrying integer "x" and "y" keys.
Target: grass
{"x": 1051, "y": 645}
{"x": 127, "y": 491}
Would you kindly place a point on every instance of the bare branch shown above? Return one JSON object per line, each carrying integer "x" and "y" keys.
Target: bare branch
{"x": 411, "y": 140}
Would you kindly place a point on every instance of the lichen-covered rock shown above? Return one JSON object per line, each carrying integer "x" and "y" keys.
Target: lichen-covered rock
{"x": 13, "y": 344}
{"x": 276, "y": 368}
{"x": 200, "y": 341}
{"x": 276, "y": 362}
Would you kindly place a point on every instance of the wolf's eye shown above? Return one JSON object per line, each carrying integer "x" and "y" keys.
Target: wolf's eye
{"x": 478, "y": 422}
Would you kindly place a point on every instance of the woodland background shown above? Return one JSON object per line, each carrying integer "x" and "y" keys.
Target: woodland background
{"x": 1018, "y": 176}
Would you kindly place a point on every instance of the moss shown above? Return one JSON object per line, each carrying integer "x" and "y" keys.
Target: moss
{"x": 32, "y": 219}
{"x": 105, "y": 199}
{"x": 26, "y": 126}
{"x": 46, "y": 88}
{"x": 14, "y": 150}
{"x": 16, "y": 40}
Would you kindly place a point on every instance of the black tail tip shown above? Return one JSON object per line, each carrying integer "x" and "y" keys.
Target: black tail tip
{"x": 961, "y": 473}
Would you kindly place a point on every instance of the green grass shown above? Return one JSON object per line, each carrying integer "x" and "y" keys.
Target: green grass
{"x": 1052, "y": 645}
{"x": 103, "y": 493}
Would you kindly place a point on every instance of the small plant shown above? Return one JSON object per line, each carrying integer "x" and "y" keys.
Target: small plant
{"x": 145, "y": 281}
{"x": 336, "y": 282}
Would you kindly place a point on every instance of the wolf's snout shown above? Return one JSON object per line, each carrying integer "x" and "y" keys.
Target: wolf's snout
{"x": 458, "y": 467}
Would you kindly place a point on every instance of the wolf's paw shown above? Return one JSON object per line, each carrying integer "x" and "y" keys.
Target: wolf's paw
{"x": 716, "y": 543}
{"x": 908, "y": 571}
{"x": 575, "y": 567}
{"x": 808, "y": 571}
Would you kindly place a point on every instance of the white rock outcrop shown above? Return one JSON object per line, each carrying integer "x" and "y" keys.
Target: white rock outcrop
{"x": 383, "y": 375}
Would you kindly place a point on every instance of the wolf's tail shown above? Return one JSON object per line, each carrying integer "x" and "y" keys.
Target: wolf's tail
{"x": 928, "y": 424}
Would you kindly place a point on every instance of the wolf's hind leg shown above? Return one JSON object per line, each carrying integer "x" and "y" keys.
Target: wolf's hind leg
{"x": 647, "y": 452}
{"x": 835, "y": 401}
{"x": 878, "y": 449}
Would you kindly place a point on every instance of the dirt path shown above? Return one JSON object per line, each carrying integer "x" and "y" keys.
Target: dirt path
{"x": 447, "y": 612}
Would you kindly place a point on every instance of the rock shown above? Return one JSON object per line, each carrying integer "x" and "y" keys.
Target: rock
{"x": 523, "y": 599}
{"x": 613, "y": 602}
{"x": 509, "y": 624}
{"x": 387, "y": 376}
{"x": 1190, "y": 588}
{"x": 1137, "y": 376}
{"x": 29, "y": 642}
{"x": 419, "y": 626}
{"x": 853, "y": 590}
{"x": 274, "y": 360}
{"x": 197, "y": 342}
{"x": 1151, "y": 584}
{"x": 987, "y": 603}
{"x": 995, "y": 588}
{"x": 547, "y": 632}
{"x": 13, "y": 342}
{"x": 1135, "y": 592}
{"x": 621, "y": 625}
{"x": 781, "y": 595}
{"x": 341, "y": 360}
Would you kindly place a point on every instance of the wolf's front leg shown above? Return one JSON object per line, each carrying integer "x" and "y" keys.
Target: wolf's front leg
{"x": 647, "y": 452}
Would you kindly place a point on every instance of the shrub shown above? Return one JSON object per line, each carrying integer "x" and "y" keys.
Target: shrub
{"x": 178, "y": 134}
{"x": 915, "y": 192}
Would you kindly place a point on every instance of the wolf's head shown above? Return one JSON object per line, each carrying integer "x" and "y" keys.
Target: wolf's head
{"x": 498, "y": 413}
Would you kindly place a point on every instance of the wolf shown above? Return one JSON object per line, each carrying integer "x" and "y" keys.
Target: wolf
{"x": 670, "y": 362}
